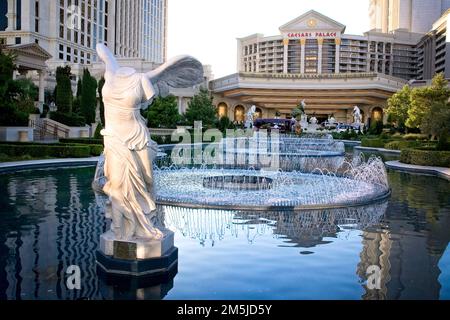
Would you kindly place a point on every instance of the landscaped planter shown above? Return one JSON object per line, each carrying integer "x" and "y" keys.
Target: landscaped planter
{"x": 426, "y": 157}
{"x": 16, "y": 134}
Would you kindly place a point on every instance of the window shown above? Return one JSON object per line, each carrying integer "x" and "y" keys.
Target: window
{"x": 19, "y": 15}
{"x": 18, "y": 40}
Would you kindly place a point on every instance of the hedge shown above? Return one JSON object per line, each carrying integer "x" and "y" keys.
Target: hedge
{"x": 94, "y": 149}
{"x": 82, "y": 141}
{"x": 63, "y": 151}
{"x": 374, "y": 143}
{"x": 426, "y": 157}
{"x": 415, "y": 136}
{"x": 400, "y": 145}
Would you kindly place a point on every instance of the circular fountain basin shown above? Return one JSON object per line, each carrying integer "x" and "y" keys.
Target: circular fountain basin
{"x": 288, "y": 191}
{"x": 237, "y": 182}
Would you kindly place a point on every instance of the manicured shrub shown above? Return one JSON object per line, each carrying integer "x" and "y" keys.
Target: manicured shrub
{"x": 415, "y": 136}
{"x": 56, "y": 151}
{"x": 96, "y": 150}
{"x": 374, "y": 143}
{"x": 97, "y": 133}
{"x": 400, "y": 145}
{"x": 82, "y": 141}
{"x": 425, "y": 157}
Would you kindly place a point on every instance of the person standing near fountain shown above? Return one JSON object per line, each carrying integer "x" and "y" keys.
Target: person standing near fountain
{"x": 129, "y": 151}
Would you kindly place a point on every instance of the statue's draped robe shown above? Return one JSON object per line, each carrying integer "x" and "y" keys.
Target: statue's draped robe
{"x": 128, "y": 154}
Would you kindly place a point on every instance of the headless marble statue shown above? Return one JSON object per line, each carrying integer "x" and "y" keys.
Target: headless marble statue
{"x": 129, "y": 151}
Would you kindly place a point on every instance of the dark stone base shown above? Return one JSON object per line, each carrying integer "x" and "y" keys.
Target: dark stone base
{"x": 119, "y": 287}
{"x": 141, "y": 269}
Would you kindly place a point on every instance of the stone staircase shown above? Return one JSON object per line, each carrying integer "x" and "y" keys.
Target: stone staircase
{"x": 47, "y": 130}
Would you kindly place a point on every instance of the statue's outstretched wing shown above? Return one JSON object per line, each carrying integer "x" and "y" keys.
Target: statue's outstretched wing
{"x": 179, "y": 72}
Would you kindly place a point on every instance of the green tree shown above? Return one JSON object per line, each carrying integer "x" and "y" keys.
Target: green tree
{"x": 430, "y": 108}
{"x": 422, "y": 100}
{"x": 88, "y": 100}
{"x": 64, "y": 94}
{"x": 101, "y": 83}
{"x": 26, "y": 94}
{"x": 15, "y": 95}
{"x": 224, "y": 123}
{"x": 296, "y": 112}
{"x": 398, "y": 107}
{"x": 76, "y": 105}
{"x": 7, "y": 68}
{"x": 163, "y": 113}
{"x": 201, "y": 108}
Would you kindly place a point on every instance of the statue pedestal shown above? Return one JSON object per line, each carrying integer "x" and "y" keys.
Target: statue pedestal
{"x": 138, "y": 258}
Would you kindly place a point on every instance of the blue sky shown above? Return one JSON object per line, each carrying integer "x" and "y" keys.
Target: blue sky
{"x": 207, "y": 29}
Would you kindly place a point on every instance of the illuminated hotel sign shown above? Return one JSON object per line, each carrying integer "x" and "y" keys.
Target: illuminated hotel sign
{"x": 316, "y": 34}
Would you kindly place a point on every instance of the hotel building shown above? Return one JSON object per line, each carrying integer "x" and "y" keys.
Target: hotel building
{"x": 45, "y": 34}
{"x": 314, "y": 59}
{"x": 70, "y": 29}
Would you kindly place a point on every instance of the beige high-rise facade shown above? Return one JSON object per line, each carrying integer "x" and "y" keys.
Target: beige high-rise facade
{"x": 70, "y": 29}
{"x": 316, "y": 44}
{"x": 415, "y": 16}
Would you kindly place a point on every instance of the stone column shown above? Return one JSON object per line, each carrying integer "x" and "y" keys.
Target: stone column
{"x": 41, "y": 74}
{"x": 302, "y": 56}
{"x": 337, "y": 60}
{"x": 319, "y": 55}
{"x": 285, "y": 55}
{"x": 11, "y": 15}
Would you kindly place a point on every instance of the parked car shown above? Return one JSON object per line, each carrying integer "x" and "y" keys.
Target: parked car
{"x": 284, "y": 125}
{"x": 344, "y": 127}
{"x": 330, "y": 125}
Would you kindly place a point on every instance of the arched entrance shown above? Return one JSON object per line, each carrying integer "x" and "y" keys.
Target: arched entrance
{"x": 377, "y": 114}
{"x": 258, "y": 113}
{"x": 239, "y": 113}
{"x": 222, "y": 110}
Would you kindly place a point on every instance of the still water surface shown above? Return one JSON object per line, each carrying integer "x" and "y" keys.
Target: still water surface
{"x": 50, "y": 220}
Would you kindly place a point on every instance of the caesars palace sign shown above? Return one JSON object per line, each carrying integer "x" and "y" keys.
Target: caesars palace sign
{"x": 315, "y": 34}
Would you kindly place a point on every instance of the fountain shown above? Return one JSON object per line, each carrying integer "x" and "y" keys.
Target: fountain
{"x": 306, "y": 153}
{"x": 293, "y": 191}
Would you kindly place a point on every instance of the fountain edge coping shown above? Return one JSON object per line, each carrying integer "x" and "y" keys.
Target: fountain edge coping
{"x": 436, "y": 171}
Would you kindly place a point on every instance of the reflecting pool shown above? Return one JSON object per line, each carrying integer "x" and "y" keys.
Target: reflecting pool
{"x": 50, "y": 220}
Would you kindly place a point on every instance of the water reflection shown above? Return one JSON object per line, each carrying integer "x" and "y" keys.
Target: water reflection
{"x": 302, "y": 229}
{"x": 51, "y": 220}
